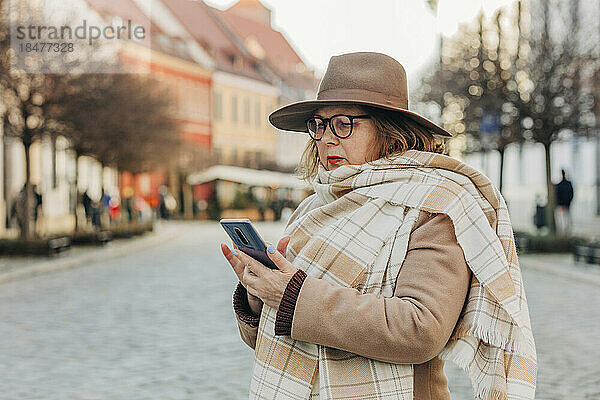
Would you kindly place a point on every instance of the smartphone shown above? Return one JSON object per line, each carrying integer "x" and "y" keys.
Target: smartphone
{"x": 247, "y": 239}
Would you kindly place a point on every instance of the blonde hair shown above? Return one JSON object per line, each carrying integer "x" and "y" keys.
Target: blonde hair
{"x": 395, "y": 135}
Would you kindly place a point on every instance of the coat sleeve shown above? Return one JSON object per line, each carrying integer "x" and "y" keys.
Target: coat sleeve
{"x": 411, "y": 327}
{"x": 248, "y": 333}
{"x": 247, "y": 321}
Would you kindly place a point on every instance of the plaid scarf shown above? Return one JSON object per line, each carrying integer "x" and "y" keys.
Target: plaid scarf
{"x": 346, "y": 242}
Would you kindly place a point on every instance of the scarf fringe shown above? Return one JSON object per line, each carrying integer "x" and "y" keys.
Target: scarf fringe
{"x": 517, "y": 343}
{"x": 482, "y": 389}
{"x": 462, "y": 355}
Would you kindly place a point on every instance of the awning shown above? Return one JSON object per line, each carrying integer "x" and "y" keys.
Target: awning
{"x": 247, "y": 176}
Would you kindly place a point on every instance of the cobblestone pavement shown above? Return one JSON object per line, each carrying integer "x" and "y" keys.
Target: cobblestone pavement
{"x": 158, "y": 324}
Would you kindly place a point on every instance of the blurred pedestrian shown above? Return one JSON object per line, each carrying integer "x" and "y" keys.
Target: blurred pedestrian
{"x": 539, "y": 218}
{"x": 18, "y": 209}
{"x": 106, "y": 206}
{"x": 276, "y": 205}
{"x": 260, "y": 204}
{"x": 37, "y": 197}
{"x": 97, "y": 211}
{"x": 114, "y": 208}
{"x": 104, "y": 200}
{"x": 87, "y": 205}
{"x": 564, "y": 197}
{"x": 38, "y": 210}
{"x": 128, "y": 194}
{"x": 167, "y": 204}
{"x": 374, "y": 291}
{"x": 163, "y": 212}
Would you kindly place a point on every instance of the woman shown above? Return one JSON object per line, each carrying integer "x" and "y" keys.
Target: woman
{"x": 401, "y": 259}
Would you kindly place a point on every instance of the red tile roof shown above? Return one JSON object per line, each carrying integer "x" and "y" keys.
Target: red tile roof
{"x": 128, "y": 10}
{"x": 247, "y": 3}
{"x": 206, "y": 28}
{"x": 279, "y": 53}
{"x": 197, "y": 20}
{"x": 124, "y": 9}
{"x": 277, "y": 48}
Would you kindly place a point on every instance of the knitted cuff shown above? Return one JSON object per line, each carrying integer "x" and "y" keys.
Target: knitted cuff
{"x": 285, "y": 313}
{"x": 242, "y": 308}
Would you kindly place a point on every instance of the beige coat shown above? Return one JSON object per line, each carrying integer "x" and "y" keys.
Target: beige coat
{"x": 410, "y": 328}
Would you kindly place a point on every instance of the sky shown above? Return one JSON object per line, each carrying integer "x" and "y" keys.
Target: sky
{"x": 404, "y": 29}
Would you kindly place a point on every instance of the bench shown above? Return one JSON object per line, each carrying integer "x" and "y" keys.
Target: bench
{"x": 587, "y": 251}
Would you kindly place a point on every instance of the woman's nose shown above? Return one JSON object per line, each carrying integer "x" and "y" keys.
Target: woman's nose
{"x": 329, "y": 137}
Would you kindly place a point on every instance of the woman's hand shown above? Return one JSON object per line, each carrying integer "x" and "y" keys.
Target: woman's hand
{"x": 254, "y": 302}
{"x": 260, "y": 281}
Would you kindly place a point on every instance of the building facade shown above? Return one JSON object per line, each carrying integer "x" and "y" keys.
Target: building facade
{"x": 242, "y": 134}
{"x": 524, "y": 179}
{"x": 251, "y": 21}
{"x": 225, "y": 71}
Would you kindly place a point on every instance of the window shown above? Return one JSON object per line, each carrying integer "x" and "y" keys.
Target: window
{"x": 247, "y": 111}
{"x": 234, "y": 110}
{"x": 257, "y": 112}
{"x": 218, "y": 106}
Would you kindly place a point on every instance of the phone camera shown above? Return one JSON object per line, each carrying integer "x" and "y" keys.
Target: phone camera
{"x": 240, "y": 234}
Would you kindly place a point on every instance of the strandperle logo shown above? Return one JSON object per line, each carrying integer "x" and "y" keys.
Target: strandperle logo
{"x": 82, "y": 31}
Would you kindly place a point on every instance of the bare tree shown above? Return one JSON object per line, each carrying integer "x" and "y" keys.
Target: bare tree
{"x": 122, "y": 120}
{"x": 558, "y": 102}
{"x": 23, "y": 109}
{"x": 533, "y": 89}
{"x": 475, "y": 88}
{"x": 25, "y": 97}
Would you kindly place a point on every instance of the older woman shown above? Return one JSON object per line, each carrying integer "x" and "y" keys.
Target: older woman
{"x": 401, "y": 259}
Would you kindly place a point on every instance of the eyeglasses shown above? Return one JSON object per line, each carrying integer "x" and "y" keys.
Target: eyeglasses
{"x": 341, "y": 125}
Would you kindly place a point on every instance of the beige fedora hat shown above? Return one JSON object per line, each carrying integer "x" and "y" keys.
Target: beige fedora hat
{"x": 364, "y": 78}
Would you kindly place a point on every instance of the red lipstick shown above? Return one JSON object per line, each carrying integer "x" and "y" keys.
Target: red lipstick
{"x": 334, "y": 160}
